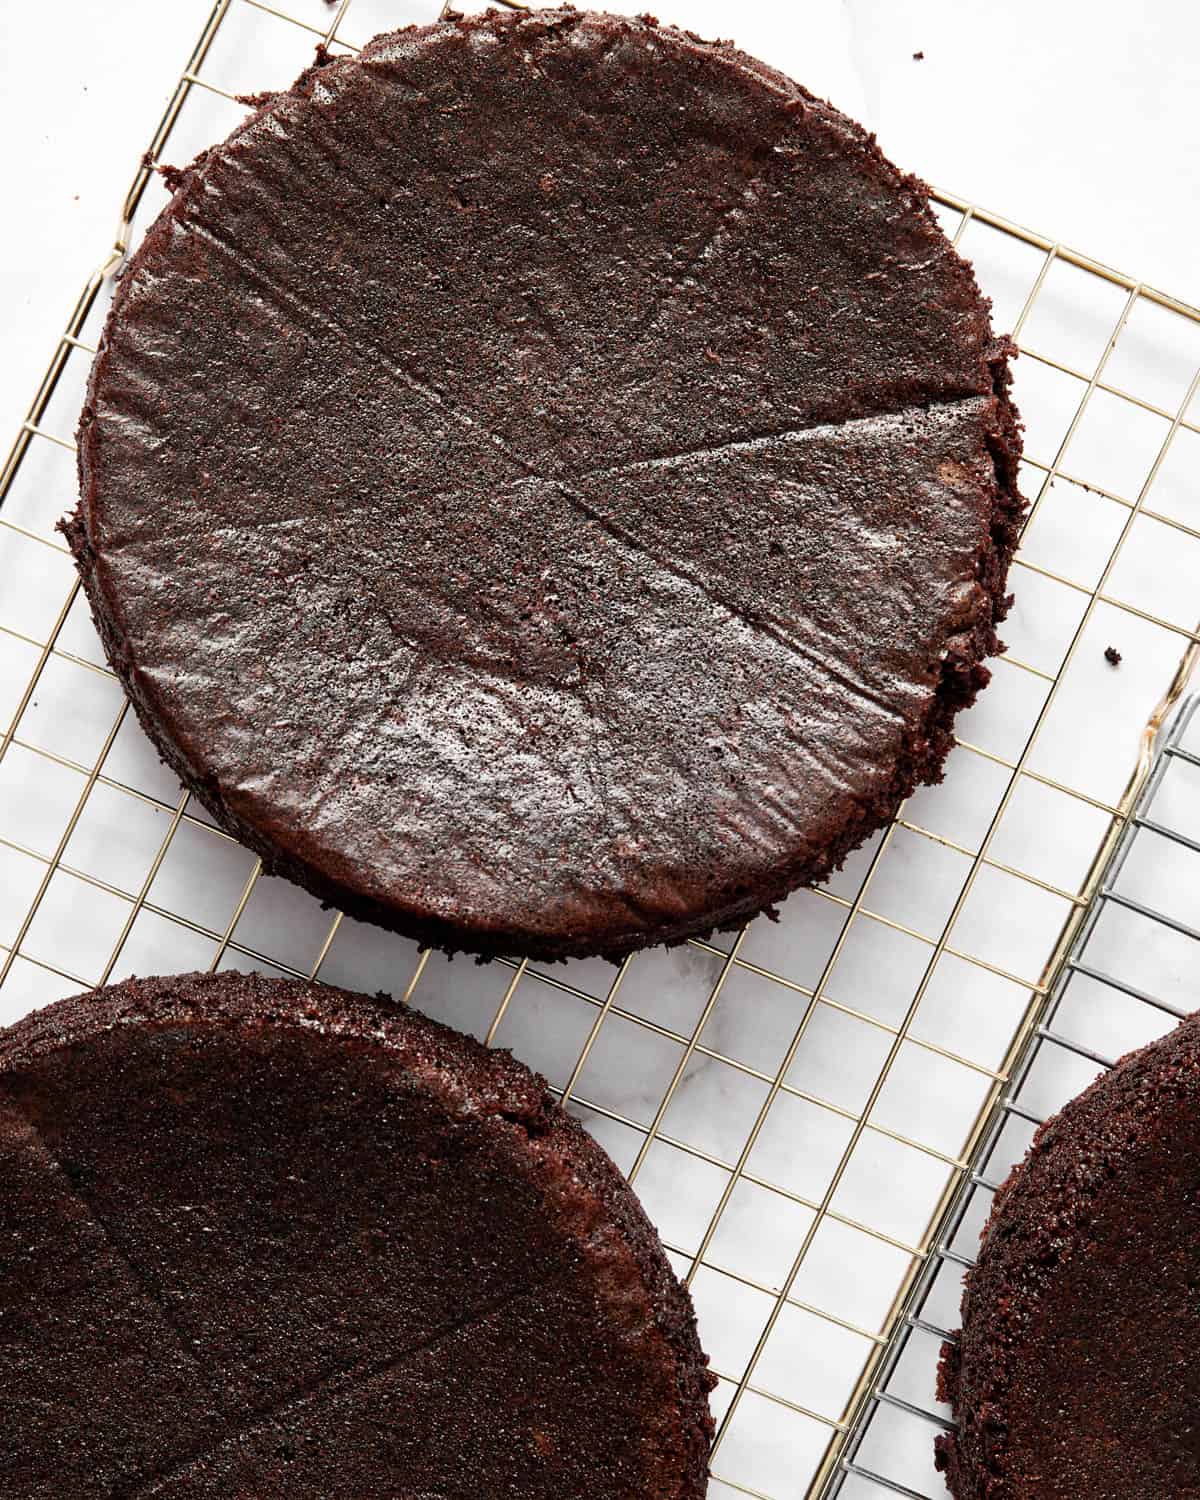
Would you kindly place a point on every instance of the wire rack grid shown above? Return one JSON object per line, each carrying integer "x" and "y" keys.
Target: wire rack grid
{"x": 798, "y": 1104}
{"x": 1099, "y": 1006}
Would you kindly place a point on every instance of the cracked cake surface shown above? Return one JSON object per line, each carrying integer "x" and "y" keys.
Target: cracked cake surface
{"x": 548, "y": 484}
{"x": 1074, "y": 1376}
{"x": 263, "y": 1237}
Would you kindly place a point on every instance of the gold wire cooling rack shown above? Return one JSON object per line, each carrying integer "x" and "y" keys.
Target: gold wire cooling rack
{"x": 1102, "y": 996}
{"x": 808, "y": 1097}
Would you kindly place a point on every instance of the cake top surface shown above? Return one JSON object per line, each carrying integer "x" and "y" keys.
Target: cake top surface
{"x": 539, "y": 479}
{"x": 263, "y": 1237}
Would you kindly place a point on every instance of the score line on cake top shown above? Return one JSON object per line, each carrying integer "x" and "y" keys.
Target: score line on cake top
{"x": 552, "y": 540}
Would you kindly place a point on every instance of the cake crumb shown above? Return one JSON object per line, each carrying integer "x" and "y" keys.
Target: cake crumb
{"x": 918, "y": 57}
{"x": 173, "y": 176}
{"x": 1112, "y": 656}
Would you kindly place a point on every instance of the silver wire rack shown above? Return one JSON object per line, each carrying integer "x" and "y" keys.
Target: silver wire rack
{"x": 1107, "y": 997}
{"x": 798, "y": 1104}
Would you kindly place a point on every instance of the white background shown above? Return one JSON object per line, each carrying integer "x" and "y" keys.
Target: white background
{"x": 1079, "y": 120}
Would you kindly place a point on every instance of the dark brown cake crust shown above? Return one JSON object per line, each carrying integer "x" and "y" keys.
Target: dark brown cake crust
{"x": 1076, "y": 1375}
{"x": 265, "y": 1237}
{"x": 548, "y": 484}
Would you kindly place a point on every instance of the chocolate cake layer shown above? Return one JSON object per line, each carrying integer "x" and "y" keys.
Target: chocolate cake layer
{"x": 1076, "y": 1376}
{"x": 259, "y": 1237}
{"x": 548, "y": 484}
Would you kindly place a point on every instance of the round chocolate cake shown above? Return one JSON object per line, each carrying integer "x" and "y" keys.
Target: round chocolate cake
{"x": 548, "y": 484}
{"x": 1076, "y": 1375}
{"x": 260, "y": 1237}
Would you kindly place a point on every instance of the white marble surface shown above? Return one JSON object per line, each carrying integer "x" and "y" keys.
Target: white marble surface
{"x": 1098, "y": 146}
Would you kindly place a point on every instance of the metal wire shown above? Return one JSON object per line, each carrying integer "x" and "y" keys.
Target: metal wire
{"x": 1000, "y": 1085}
{"x": 1042, "y": 1033}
